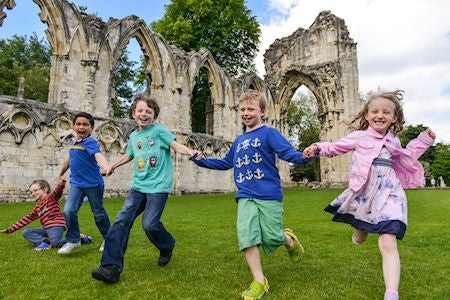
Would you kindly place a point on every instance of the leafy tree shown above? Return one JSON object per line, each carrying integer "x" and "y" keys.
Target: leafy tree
{"x": 28, "y": 57}
{"x": 441, "y": 163}
{"x": 200, "y": 97}
{"x": 224, "y": 27}
{"x": 128, "y": 80}
{"x": 304, "y": 130}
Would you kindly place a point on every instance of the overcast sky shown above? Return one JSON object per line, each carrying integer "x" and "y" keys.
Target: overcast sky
{"x": 402, "y": 44}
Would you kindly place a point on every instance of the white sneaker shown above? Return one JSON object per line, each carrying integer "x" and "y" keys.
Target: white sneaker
{"x": 102, "y": 247}
{"x": 68, "y": 247}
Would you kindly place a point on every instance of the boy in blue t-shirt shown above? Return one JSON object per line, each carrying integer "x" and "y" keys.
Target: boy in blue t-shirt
{"x": 84, "y": 159}
{"x": 259, "y": 195}
{"x": 149, "y": 146}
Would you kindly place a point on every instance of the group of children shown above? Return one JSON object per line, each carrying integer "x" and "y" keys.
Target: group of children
{"x": 375, "y": 201}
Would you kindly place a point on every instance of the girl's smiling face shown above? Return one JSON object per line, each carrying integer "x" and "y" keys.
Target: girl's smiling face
{"x": 381, "y": 114}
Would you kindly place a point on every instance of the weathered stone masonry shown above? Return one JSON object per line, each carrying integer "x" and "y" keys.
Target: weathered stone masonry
{"x": 34, "y": 136}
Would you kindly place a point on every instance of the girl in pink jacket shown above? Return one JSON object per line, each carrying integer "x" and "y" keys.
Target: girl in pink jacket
{"x": 375, "y": 201}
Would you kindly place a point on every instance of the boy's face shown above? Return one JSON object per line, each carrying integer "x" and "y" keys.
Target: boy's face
{"x": 143, "y": 115}
{"x": 251, "y": 114}
{"x": 37, "y": 192}
{"x": 82, "y": 127}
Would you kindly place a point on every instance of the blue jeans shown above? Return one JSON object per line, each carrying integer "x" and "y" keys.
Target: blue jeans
{"x": 38, "y": 235}
{"x": 73, "y": 204}
{"x": 117, "y": 239}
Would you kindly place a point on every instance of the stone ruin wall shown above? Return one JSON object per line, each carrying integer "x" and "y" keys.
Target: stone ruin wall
{"x": 34, "y": 136}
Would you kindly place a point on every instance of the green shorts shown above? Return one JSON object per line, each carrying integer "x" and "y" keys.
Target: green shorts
{"x": 260, "y": 222}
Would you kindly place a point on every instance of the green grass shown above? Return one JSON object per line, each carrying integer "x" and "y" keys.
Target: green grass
{"x": 207, "y": 264}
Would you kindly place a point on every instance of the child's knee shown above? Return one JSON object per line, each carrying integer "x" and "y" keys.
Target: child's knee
{"x": 387, "y": 243}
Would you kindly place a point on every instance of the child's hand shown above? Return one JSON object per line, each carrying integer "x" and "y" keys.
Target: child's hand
{"x": 430, "y": 133}
{"x": 310, "y": 151}
{"x": 3, "y": 231}
{"x": 197, "y": 155}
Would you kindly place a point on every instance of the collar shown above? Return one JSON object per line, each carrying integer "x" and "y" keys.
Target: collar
{"x": 74, "y": 140}
{"x": 389, "y": 135}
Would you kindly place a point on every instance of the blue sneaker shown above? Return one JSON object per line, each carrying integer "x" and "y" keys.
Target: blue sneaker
{"x": 42, "y": 247}
{"x": 85, "y": 239}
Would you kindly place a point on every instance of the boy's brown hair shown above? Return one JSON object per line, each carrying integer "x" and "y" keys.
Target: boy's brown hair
{"x": 42, "y": 184}
{"x": 151, "y": 102}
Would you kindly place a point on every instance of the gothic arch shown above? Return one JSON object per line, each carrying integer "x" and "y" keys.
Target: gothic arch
{"x": 323, "y": 58}
{"x": 130, "y": 27}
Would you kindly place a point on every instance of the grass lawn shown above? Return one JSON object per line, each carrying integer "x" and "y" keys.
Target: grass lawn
{"x": 207, "y": 264}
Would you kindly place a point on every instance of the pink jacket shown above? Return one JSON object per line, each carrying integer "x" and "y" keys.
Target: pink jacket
{"x": 366, "y": 146}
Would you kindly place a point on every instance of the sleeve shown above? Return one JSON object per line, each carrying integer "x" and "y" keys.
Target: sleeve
{"x": 30, "y": 217}
{"x": 56, "y": 194}
{"x": 417, "y": 147}
{"x": 225, "y": 163}
{"x": 129, "y": 150}
{"x": 284, "y": 150}
{"x": 92, "y": 146}
{"x": 166, "y": 136}
{"x": 341, "y": 146}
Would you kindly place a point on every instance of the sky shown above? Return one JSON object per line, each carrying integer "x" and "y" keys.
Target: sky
{"x": 401, "y": 44}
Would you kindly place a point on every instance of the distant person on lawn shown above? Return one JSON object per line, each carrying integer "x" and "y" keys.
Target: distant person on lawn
{"x": 259, "y": 197}
{"x": 48, "y": 212}
{"x": 149, "y": 147}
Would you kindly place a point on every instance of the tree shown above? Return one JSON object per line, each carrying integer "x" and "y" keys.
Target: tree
{"x": 28, "y": 57}
{"x": 441, "y": 163}
{"x": 224, "y": 27}
{"x": 304, "y": 129}
{"x": 128, "y": 80}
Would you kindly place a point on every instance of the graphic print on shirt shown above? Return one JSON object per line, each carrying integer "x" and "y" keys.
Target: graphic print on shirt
{"x": 248, "y": 159}
{"x": 153, "y": 161}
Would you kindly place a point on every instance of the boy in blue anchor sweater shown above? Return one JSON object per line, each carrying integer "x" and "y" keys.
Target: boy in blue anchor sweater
{"x": 259, "y": 194}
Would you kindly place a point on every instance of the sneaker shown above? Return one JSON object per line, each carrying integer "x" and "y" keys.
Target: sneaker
{"x": 42, "y": 247}
{"x": 164, "y": 257}
{"x": 102, "y": 247}
{"x": 68, "y": 247}
{"x": 296, "y": 253}
{"x": 85, "y": 239}
{"x": 108, "y": 274}
{"x": 256, "y": 290}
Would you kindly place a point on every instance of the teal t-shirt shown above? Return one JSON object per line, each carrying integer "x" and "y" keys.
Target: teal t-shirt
{"x": 150, "y": 149}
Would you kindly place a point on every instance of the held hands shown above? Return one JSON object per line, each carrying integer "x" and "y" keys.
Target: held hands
{"x": 310, "y": 151}
{"x": 197, "y": 155}
{"x": 106, "y": 172}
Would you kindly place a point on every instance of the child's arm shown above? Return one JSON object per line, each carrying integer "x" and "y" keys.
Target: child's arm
{"x": 121, "y": 161}
{"x": 182, "y": 149}
{"x": 64, "y": 168}
{"x": 30, "y": 217}
{"x": 419, "y": 145}
{"x": 3, "y": 231}
{"x": 102, "y": 162}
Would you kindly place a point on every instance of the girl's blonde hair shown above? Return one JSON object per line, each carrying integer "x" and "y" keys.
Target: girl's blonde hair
{"x": 360, "y": 122}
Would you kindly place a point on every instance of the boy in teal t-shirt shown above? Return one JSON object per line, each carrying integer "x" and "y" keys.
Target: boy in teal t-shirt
{"x": 149, "y": 146}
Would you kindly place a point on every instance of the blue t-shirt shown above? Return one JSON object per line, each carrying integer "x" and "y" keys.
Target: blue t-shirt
{"x": 150, "y": 148}
{"x": 253, "y": 157}
{"x": 84, "y": 170}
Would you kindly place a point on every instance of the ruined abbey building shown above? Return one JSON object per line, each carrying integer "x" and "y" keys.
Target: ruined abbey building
{"x": 86, "y": 51}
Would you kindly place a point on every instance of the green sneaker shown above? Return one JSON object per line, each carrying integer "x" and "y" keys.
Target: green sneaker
{"x": 256, "y": 290}
{"x": 296, "y": 253}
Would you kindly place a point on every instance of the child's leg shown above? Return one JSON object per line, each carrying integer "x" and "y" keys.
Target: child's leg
{"x": 55, "y": 235}
{"x": 253, "y": 259}
{"x": 35, "y": 235}
{"x": 71, "y": 208}
{"x": 359, "y": 236}
{"x": 387, "y": 244}
{"x": 95, "y": 196}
